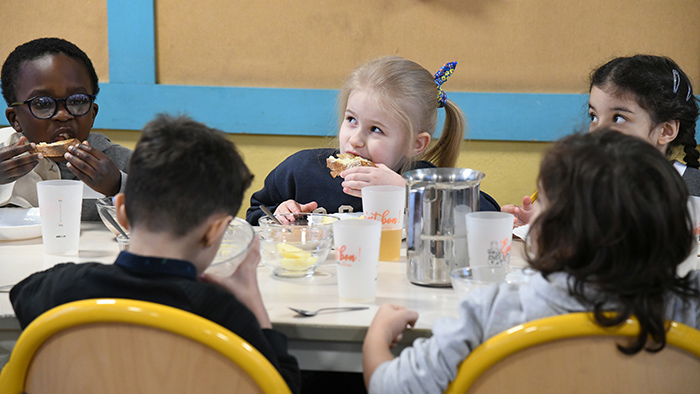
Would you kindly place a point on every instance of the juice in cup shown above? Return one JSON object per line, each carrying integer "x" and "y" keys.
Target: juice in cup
{"x": 386, "y": 204}
{"x": 390, "y": 247}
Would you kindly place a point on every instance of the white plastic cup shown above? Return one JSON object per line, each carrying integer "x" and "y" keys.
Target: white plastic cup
{"x": 489, "y": 237}
{"x": 691, "y": 262}
{"x": 60, "y": 205}
{"x": 386, "y": 204}
{"x": 357, "y": 255}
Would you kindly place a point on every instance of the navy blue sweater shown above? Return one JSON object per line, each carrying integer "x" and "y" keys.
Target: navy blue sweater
{"x": 304, "y": 177}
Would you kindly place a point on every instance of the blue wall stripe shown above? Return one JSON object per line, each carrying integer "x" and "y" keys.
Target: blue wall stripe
{"x": 491, "y": 116}
{"x": 131, "y": 38}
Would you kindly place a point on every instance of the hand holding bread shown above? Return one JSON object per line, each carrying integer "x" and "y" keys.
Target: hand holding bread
{"x": 56, "y": 149}
{"x": 17, "y": 160}
{"x": 94, "y": 167}
{"x": 345, "y": 161}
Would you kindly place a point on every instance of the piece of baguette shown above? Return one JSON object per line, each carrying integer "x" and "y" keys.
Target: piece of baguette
{"x": 56, "y": 149}
{"x": 345, "y": 161}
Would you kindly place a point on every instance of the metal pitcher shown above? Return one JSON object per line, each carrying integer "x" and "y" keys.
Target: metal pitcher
{"x": 436, "y": 238}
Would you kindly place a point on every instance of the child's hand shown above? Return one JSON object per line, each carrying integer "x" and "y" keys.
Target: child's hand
{"x": 358, "y": 177}
{"x": 243, "y": 283}
{"x": 522, "y": 214}
{"x": 390, "y": 322}
{"x": 94, "y": 168}
{"x": 291, "y": 206}
{"x": 13, "y": 167}
{"x": 384, "y": 333}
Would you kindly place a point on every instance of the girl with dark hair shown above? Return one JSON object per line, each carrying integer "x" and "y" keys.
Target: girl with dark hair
{"x": 609, "y": 231}
{"x": 649, "y": 97}
{"x": 652, "y": 98}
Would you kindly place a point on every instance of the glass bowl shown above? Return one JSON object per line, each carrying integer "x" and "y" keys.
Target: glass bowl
{"x": 123, "y": 243}
{"x": 108, "y": 214}
{"x": 234, "y": 248}
{"x": 296, "y": 248}
{"x": 465, "y": 280}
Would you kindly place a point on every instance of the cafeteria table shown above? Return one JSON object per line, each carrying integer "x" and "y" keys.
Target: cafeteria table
{"x": 326, "y": 342}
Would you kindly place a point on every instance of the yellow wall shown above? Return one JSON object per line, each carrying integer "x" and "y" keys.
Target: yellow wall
{"x": 501, "y": 45}
{"x": 511, "y": 168}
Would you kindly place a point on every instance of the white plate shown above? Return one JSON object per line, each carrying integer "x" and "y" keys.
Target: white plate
{"x": 19, "y": 223}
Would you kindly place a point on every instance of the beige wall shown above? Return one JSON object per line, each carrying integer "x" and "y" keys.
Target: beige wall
{"x": 501, "y": 45}
{"x": 511, "y": 168}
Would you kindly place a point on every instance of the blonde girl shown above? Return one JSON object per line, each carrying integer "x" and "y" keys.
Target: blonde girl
{"x": 388, "y": 114}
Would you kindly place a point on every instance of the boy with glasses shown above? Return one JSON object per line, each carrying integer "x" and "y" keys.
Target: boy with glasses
{"x": 50, "y": 86}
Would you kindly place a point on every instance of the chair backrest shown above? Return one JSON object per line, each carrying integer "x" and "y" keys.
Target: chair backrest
{"x": 129, "y": 346}
{"x": 572, "y": 354}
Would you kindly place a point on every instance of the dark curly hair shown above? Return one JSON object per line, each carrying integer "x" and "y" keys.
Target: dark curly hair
{"x": 615, "y": 219}
{"x": 661, "y": 88}
{"x": 35, "y": 49}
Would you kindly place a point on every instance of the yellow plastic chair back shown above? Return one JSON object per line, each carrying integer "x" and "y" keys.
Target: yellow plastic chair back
{"x": 572, "y": 354}
{"x": 128, "y": 346}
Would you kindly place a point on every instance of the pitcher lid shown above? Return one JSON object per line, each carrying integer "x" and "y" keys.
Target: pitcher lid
{"x": 465, "y": 176}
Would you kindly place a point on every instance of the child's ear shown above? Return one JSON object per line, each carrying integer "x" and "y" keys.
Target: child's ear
{"x": 120, "y": 209}
{"x": 11, "y": 115}
{"x": 215, "y": 230}
{"x": 420, "y": 143}
{"x": 669, "y": 132}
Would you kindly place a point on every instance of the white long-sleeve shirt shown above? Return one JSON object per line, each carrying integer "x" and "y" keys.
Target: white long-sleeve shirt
{"x": 431, "y": 363}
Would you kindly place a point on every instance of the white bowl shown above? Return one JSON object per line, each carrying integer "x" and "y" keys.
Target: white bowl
{"x": 296, "y": 248}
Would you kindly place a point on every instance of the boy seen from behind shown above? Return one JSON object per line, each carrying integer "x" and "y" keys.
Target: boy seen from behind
{"x": 186, "y": 184}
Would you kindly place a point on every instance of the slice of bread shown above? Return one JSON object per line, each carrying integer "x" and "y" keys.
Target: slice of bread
{"x": 56, "y": 149}
{"x": 345, "y": 161}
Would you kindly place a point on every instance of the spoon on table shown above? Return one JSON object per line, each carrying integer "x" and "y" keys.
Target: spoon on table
{"x": 305, "y": 313}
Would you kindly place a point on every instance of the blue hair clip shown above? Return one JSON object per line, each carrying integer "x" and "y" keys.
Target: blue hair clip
{"x": 441, "y": 76}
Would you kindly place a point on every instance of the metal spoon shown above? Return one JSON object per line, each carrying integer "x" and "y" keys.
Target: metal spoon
{"x": 270, "y": 214}
{"x": 116, "y": 225}
{"x": 305, "y": 313}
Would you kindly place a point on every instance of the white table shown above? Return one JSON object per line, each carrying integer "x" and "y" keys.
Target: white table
{"x": 329, "y": 342}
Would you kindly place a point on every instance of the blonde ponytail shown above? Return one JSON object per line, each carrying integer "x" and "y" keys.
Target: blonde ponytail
{"x": 446, "y": 150}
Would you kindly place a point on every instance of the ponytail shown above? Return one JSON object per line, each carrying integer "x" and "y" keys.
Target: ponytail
{"x": 445, "y": 152}
{"x": 690, "y": 149}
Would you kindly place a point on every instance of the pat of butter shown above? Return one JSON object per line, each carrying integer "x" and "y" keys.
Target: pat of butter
{"x": 294, "y": 257}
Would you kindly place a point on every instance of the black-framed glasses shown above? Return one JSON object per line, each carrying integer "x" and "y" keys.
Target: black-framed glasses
{"x": 45, "y": 107}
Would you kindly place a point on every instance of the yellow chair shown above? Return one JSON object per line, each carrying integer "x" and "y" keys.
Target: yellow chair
{"x": 128, "y": 346}
{"x": 572, "y": 354}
